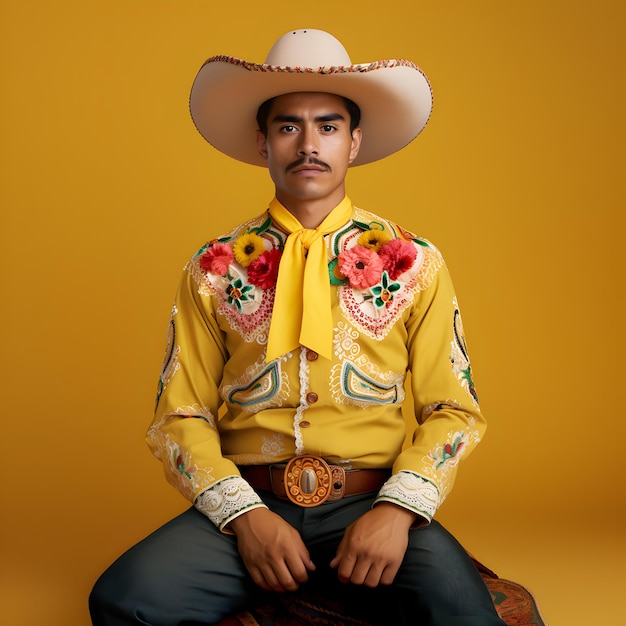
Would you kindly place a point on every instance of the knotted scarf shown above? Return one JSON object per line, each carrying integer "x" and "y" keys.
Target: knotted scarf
{"x": 302, "y": 312}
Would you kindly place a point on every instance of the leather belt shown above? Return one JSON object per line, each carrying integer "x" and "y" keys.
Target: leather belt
{"x": 309, "y": 480}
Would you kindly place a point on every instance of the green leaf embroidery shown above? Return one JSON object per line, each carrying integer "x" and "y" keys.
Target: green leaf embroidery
{"x": 263, "y": 227}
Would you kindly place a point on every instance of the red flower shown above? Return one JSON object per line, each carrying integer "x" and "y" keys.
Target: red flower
{"x": 398, "y": 256}
{"x": 361, "y": 266}
{"x": 217, "y": 259}
{"x": 263, "y": 271}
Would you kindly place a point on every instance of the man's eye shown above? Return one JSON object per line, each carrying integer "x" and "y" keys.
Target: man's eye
{"x": 328, "y": 128}
{"x": 288, "y": 129}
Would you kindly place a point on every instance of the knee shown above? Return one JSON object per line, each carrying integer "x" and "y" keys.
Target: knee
{"x": 106, "y": 602}
{"x": 120, "y": 598}
{"x": 123, "y": 596}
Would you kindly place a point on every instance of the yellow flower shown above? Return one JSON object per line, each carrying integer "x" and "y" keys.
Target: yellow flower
{"x": 248, "y": 248}
{"x": 373, "y": 239}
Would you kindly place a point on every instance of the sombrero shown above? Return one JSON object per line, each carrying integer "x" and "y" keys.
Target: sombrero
{"x": 394, "y": 95}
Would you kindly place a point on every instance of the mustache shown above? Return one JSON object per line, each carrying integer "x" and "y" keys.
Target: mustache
{"x": 307, "y": 161}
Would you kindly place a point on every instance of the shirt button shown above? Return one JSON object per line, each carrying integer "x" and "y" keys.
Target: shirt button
{"x": 312, "y": 397}
{"x": 305, "y": 424}
{"x": 311, "y": 355}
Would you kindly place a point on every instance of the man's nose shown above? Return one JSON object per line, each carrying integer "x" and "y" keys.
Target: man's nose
{"x": 308, "y": 142}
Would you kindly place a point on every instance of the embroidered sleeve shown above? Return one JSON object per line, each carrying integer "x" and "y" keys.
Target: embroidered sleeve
{"x": 184, "y": 434}
{"x": 449, "y": 423}
{"x": 229, "y": 498}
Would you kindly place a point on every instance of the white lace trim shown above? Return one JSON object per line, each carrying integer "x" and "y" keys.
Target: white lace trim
{"x": 411, "y": 491}
{"x": 303, "y": 374}
{"x": 227, "y": 499}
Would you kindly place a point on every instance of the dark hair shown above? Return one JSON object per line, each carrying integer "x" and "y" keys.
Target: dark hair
{"x": 263, "y": 113}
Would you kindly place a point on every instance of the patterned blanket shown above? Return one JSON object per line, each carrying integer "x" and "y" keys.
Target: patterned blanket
{"x": 513, "y": 602}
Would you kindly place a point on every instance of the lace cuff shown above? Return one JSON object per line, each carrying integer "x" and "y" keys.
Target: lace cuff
{"x": 226, "y": 500}
{"x": 411, "y": 491}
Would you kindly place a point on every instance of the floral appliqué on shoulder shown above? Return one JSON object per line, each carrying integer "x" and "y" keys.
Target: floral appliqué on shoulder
{"x": 241, "y": 270}
{"x": 378, "y": 267}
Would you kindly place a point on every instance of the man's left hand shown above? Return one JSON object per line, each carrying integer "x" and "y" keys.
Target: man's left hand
{"x": 373, "y": 547}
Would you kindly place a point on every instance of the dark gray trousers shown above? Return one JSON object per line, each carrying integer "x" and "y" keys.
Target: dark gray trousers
{"x": 187, "y": 572}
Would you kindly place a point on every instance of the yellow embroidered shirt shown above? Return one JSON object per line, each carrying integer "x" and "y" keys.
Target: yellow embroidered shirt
{"x": 221, "y": 405}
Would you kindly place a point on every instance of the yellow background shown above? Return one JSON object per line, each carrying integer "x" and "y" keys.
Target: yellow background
{"x": 106, "y": 189}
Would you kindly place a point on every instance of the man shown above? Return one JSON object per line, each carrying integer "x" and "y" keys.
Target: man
{"x": 303, "y": 322}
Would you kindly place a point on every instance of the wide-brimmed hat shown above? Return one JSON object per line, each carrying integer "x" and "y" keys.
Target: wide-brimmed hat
{"x": 394, "y": 95}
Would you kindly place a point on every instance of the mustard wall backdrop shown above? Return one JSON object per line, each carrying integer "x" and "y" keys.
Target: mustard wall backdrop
{"x": 106, "y": 189}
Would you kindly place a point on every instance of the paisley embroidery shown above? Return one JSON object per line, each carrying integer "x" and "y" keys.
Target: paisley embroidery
{"x": 170, "y": 362}
{"x": 459, "y": 357}
{"x": 360, "y": 387}
{"x": 358, "y": 381}
{"x": 259, "y": 387}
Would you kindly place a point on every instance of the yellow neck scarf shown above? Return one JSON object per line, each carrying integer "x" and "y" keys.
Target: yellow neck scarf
{"x": 302, "y": 310}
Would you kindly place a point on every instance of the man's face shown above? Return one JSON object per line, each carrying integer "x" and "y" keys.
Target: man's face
{"x": 309, "y": 147}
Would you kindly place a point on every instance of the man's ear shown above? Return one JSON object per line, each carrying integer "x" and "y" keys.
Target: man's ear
{"x": 356, "y": 144}
{"x": 261, "y": 144}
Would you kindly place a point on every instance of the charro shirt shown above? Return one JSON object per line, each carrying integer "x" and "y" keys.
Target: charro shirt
{"x": 220, "y": 404}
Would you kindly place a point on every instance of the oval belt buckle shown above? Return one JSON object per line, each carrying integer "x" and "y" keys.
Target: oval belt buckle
{"x": 308, "y": 480}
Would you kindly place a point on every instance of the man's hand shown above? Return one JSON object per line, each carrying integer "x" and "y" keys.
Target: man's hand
{"x": 272, "y": 550}
{"x": 373, "y": 547}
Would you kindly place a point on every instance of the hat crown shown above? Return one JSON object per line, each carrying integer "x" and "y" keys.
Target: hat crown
{"x": 308, "y": 47}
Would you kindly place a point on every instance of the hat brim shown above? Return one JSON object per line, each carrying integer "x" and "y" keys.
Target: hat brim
{"x": 394, "y": 97}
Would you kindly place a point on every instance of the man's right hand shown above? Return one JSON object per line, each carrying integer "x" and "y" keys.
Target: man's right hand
{"x": 272, "y": 550}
